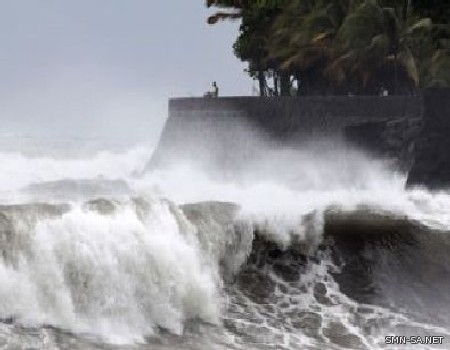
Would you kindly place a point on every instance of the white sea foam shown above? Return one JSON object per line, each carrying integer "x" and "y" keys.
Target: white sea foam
{"x": 119, "y": 274}
{"x": 136, "y": 269}
{"x": 284, "y": 187}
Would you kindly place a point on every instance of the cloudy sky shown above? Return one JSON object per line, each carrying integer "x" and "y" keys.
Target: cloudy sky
{"x": 105, "y": 68}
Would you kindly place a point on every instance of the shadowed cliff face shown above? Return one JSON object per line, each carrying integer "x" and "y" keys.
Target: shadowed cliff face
{"x": 432, "y": 161}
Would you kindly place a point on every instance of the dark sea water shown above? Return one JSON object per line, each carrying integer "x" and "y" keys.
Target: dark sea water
{"x": 313, "y": 250}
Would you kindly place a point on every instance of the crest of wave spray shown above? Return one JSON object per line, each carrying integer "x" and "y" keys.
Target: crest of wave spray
{"x": 119, "y": 275}
{"x": 281, "y": 182}
{"x": 144, "y": 265}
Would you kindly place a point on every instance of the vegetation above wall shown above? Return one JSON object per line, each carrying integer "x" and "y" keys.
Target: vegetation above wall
{"x": 309, "y": 47}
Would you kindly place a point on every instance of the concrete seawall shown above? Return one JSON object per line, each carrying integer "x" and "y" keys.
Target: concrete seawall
{"x": 312, "y": 116}
{"x": 210, "y": 130}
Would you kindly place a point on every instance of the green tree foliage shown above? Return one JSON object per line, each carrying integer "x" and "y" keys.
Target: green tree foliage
{"x": 342, "y": 46}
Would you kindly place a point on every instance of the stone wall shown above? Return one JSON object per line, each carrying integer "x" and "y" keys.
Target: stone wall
{"x": 228, "y": 131}
{"x": 312, "y": 116}
{"x": 414, "y": 130}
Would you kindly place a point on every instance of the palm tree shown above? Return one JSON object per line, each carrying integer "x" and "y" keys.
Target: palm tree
{"x": 303, "y": 42}
{"x": 342, "y": 45}
{"x": 433, "y": 50}
{"x": 236, "y": 5}
{"x": 375, "y": 48}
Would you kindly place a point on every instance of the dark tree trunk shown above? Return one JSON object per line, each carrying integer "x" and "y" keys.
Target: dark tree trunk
{"x": 275, "y": 84}
{"x": 285, "y": 84}
{"x": 305, "y": 86}
{"x": 406, "y": 5}
{"x": 395, "y": 92}
{"x": 262, "y": 83}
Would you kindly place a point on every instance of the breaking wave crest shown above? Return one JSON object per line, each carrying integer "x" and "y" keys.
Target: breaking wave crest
{"x": 290, "y": 256}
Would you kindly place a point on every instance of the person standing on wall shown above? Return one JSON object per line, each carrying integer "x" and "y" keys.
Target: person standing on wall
{"x": 215, "y": 92}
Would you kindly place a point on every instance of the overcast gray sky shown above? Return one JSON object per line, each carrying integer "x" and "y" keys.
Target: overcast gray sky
{"x": 105, "y": 68}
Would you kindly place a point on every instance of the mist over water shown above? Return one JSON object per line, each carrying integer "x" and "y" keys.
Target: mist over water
{"x": 294, "y": 248}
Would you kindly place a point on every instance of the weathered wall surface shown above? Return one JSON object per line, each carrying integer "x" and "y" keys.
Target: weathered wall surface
{"x": 221, "y": 131}
{"x": 314, "y": 116}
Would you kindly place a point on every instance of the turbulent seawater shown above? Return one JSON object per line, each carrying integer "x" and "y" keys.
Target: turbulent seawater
{"x": 309, "y": 249}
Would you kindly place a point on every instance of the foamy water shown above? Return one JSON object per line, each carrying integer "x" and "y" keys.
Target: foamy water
{"x": 141, "y": 265}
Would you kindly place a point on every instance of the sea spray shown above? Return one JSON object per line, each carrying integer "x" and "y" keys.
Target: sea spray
{"x": 294, "y": 252}
{"x": 19, "y": 170}
{"x": 111, "y": 274}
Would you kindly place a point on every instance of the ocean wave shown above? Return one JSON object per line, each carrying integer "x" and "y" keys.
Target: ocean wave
{"x": 305, "y": 249}
{"x": 126, "y": 270}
